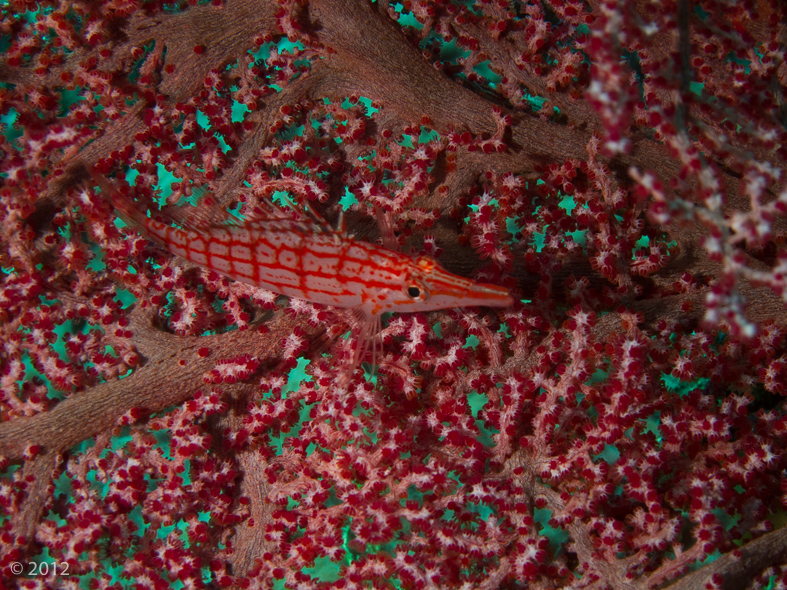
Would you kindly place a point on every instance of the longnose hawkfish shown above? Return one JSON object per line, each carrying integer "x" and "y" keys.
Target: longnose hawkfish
{"x": 307, "y": 259}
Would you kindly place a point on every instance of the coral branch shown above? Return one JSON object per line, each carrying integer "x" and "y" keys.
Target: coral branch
{"x": 736, "y": 568}
{"x": 170, "y": 373}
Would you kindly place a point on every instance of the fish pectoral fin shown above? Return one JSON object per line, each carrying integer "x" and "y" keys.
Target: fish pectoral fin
{"x": 365, "y": 332}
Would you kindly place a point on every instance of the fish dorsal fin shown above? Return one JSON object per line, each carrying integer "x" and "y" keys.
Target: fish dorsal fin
{"x": 385, "y": 223}
{"x": 284, "y": 223}
{"x": 267, "y": 213}
{"x": 206, "y": 213}
{"x": 298, "y": 207}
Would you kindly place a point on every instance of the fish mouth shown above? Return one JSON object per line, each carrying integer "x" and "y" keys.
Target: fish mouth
{"x": 466, "y": 293}
{"x": 489, "y": 295}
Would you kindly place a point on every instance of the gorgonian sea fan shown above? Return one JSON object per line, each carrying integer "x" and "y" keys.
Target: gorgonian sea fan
{"x": 618, "y": 166}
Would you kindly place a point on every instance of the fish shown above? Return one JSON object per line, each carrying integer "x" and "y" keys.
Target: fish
{"x": 308, "y": 259}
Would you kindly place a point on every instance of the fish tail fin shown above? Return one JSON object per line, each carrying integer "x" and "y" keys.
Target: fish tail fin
{"x": 118, "y": 196}
{"x": 120, "y": 199}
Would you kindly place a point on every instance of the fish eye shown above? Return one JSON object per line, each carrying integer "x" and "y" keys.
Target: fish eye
{"x": 416, "y": 291}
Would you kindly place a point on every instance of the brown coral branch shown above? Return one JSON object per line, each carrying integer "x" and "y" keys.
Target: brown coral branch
{"x": 736, "y": 568}
{"x": 171, "y": 372}
{"x": 226, "y": 33}
{"x": 37, "y": 475}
